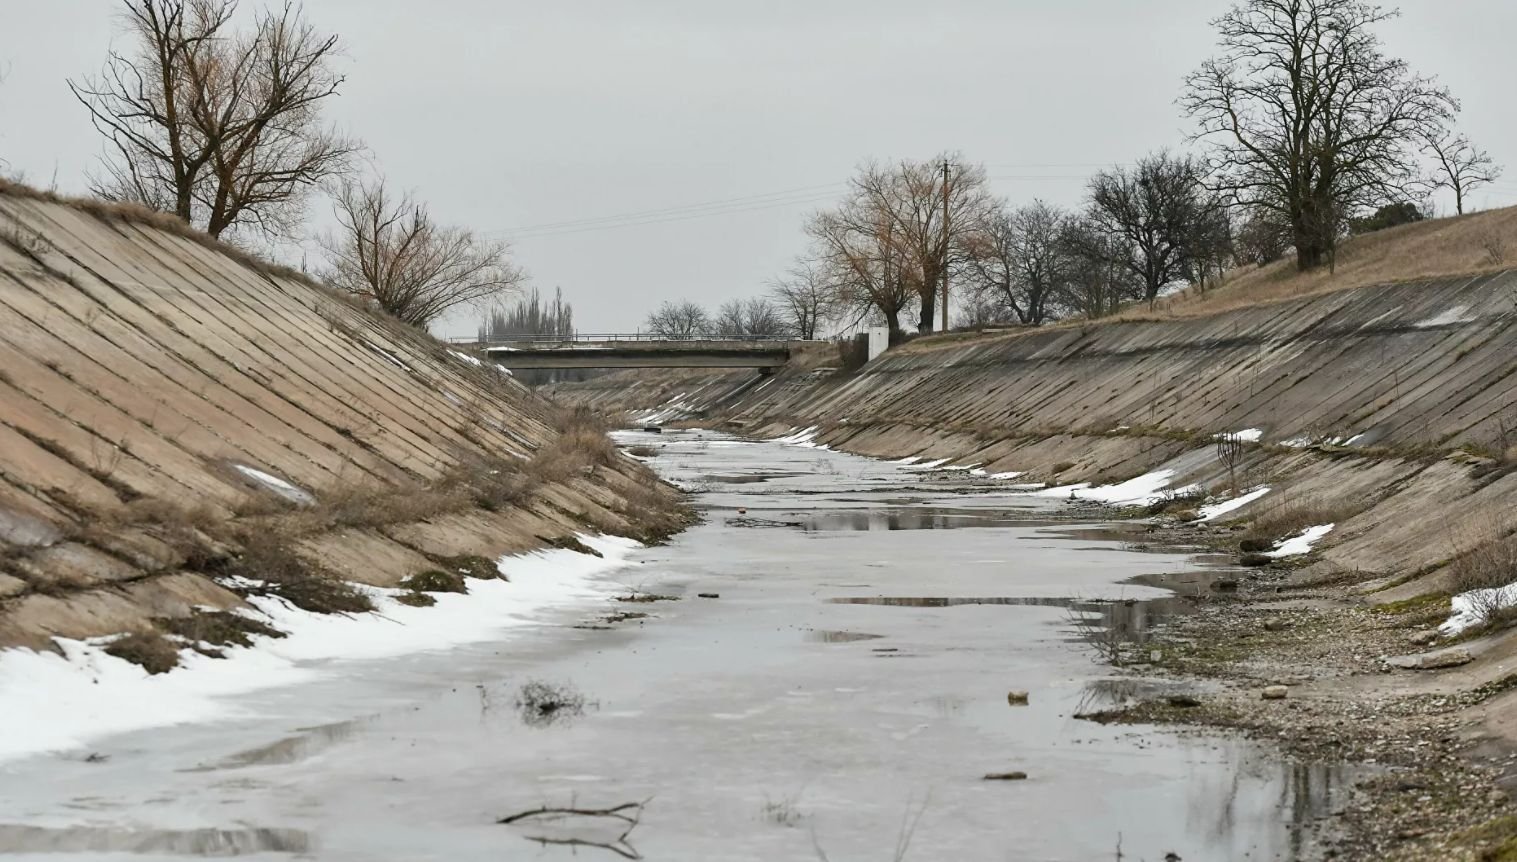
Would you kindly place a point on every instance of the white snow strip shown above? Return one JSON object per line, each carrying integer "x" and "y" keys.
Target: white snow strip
{"x": 962, "y": 466}
{"x": 905, "y": 461}
{"x": 979, "y": 471}
{"x": 1300, "y": 442}
{"x": 50, "y": 702}
{"x": 1457, "y": 314}
{"x": 1009, "y": 474}
{"x": 279, "y": 486}
{"x": 797, "y": 438}
{"x": 1470, "y": 608}
{"x": 464, "y": 357}
{"x": 1217, "y": 510}
{"x": 387, "y": 355}
{"x": 1143, "y": 489}
{"x": 1247, "y": 435}
{"x": 930, "y": 465}
{"x": 1301, "y": 543}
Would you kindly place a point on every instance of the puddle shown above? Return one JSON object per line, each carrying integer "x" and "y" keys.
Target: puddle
{"x": 839, "y": 637}
{"x": 925, "y": 518}
{"x": 188, "y": 842}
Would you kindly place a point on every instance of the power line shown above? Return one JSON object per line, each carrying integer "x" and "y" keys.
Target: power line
{"x": 571, "y": 229}
{"x": 714, "y": 204}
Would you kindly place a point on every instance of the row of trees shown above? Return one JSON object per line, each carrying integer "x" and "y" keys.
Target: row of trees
{"x": 738, "y": 318}
{"x": 1306, "y": 131}
{"x": 222, "y": 126}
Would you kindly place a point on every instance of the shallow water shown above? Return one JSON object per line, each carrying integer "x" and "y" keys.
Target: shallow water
{"x": 845, "y": 682}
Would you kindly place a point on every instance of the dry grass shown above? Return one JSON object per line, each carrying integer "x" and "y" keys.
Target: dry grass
{"x": 1437, "y": 248}
{"x": 150, "y": 650}
{"x": 1289, "y": 515}
{"x": 217, "y": 628}
{"x": 270, "y": 556}
{"x": 1485, "y": 559}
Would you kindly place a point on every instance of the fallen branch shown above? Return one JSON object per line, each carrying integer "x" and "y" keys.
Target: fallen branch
{"x": 628, "y": 814}
{"x": 550, "y": 811}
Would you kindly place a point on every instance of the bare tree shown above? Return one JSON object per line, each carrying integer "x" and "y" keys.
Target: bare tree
{"x": 388, "y": 250}
{"x": 220, "y": 128}
{"x": 756, "y": 317}
{"x": 679, "y": 320}
{"x": 1018, "y": 259}
{"x": 1150, "y": 216}
{"x": 1094, "y": 283}
{"x": 806, "y": 297}
{"x": 1309, "y": 119}
{"x": 907, "y": 201}
{"x": 1459, "y": 166}
{"x": 866, "y": 264}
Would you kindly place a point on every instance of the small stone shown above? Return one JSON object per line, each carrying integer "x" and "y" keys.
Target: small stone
{"x": 1016, "y": 698}
{"x": 1017, "y": 775}
{"x": 1423, "y": 638}
{"x": 1183, "y": 701}
{"x": 1227, "y": 585}
{"x": 1254, "y": 560}
{"x": 1276, "y": 625}
{"x": 1274, "y": 692}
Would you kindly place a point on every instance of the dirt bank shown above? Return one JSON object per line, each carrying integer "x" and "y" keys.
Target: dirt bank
{"x": 175, "y": 416}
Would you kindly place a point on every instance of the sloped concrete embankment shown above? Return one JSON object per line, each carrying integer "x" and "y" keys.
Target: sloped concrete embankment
{"x": 1396, "y": 402}
{"x": 157, "y": 389}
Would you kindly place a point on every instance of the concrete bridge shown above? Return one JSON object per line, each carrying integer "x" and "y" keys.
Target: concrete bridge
{"x": 636, "y": 350}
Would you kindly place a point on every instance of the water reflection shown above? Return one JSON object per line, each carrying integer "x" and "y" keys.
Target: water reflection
{"x": 828, "y": 636}
{"x": 925, "y": 518}
{"x": 16, "y": 838}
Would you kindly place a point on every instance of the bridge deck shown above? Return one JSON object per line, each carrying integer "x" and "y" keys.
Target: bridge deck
{"x": 640, "y": 353}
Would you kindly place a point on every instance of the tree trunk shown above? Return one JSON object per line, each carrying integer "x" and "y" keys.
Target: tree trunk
{"x": 925, "y": 322}
{"x": 893, "y": 323}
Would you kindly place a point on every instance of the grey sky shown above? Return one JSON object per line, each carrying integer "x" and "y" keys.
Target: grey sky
{"x": 506, "y": 115}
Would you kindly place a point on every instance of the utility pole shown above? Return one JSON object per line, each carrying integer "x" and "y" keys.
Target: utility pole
{"x": 946, "y": 240}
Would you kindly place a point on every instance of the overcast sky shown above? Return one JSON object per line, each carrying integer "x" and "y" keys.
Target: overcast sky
{"x": 508, "y": 116}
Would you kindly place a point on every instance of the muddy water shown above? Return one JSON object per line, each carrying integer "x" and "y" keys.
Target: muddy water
{"x": 846, "y": 689}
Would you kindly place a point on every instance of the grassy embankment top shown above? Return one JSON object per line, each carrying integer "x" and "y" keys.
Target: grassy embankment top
{"x": 1473, "y": 244}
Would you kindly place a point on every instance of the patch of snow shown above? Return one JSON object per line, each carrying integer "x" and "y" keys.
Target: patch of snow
{"x": 1352, "y": 440}
{"x": 1457, "y": 314}
{"x": 1141, "y": 490}
{"x": 293, "y": 493}
{"x": 1300, "y": 543}
{"x": 387, "y": 355}
{"x": 1247, "y": 435}
{"x": 1009, "y": 474}
{"x": 1299, "y": 442}
{"x": 908, "y": 460}
{"x": 930, "y": 465}
{"x": 1217, "y": 510}
{"x": 464, "y": 357}
{"x": 979, "y": 471}
{"x": 85, "y": 694}
{"x": 1471, "y": 607}
{"x": 797, "y": 438}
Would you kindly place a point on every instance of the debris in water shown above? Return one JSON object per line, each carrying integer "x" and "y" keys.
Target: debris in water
{"x": 541, "y": 703}
{"x": 708, "y": 595}
{"x": 1016, "y": 698}
{"x": 1016, "y": 775}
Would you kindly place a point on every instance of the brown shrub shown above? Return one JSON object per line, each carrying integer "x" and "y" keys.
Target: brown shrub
{"x": 151, "y": 650}
{"x": 435, "y": 581}
{"x": 416, "y": 600}
{"x": 1485, "y": 558}
{"x": 1288, "y": 515}
{"x": 217, "y": 628}
{"x": 270, "y": 556}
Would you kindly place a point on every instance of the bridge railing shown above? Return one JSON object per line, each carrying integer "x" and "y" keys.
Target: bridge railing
{"x": 602, "y": 337}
